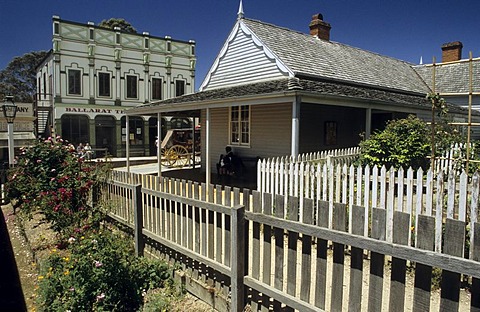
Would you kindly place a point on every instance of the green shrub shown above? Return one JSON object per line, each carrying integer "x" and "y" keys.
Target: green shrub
{"x": 407, "y": 143}
{"x": 403, "y": 143}
{"x": 98, "y": 272}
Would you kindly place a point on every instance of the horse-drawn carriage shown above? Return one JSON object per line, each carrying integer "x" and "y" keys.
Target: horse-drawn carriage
{"x": 179, "y": 147}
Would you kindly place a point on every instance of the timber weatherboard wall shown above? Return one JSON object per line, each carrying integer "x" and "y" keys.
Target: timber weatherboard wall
{"x": 244, "y": 61}
{"x": 269, "y": 124}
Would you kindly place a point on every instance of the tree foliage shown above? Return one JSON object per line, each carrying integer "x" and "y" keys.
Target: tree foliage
{"x": 403, "y": 143}
{"x": 407, "y": 143}
{"x": 18, "y": 78}
{"x": 118, "y": 22}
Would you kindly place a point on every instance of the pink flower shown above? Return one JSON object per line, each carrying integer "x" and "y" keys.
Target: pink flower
{"x": 100, "y": 297}
{"x": 39, "y": 161}
{"x": 97, "y": 264}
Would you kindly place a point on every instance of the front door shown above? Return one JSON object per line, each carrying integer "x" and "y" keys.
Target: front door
{"x": 105, "y": 135}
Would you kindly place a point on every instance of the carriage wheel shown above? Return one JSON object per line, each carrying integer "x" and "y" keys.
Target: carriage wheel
{"x": 178, "y": 155}
{"x": 164, "y": 156}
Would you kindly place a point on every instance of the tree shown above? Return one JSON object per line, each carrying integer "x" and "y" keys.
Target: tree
{"x": 18, "y": 78}
{"x": 118, "y": 22}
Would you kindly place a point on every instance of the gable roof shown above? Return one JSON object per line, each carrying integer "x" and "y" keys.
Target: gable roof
{"x": 304, "y": 54}
{"x": 230, "y": 96}
{"x": 299, "y": 54}
{"x": 453, "y": 77}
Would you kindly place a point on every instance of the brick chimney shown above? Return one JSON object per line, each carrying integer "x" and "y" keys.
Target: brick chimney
{"x": 452, "y": 51}
{"x": 320, "y": 28}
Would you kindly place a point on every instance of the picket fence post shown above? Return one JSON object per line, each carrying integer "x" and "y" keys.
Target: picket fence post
{"x": 238, "y": 261}
{"x": 138, "y": 219}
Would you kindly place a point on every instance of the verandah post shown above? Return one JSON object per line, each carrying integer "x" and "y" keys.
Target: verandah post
{"x": 238, "y": 265}
{"x": 138, "y": 219}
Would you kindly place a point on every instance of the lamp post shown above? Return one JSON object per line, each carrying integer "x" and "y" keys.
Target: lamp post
{"x": 9, "y": 112}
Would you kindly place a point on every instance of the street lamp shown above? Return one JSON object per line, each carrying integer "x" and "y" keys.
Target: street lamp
{"x": 9, "y": 112}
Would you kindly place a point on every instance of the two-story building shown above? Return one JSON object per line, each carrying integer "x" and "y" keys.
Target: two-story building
{"x": 93, "y": 74}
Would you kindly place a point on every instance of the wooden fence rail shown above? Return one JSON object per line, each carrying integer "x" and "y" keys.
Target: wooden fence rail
{"x": 451, "y": 195}
{"x": 259, "y": 249}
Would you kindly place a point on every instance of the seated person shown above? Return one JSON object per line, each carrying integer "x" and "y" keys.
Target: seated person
{"x": 225, "y": 165}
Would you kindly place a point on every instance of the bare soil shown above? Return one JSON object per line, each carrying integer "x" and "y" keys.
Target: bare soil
{"x": 23, "y": 257}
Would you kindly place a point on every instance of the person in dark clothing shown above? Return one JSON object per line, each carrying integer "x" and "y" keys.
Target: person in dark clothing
{"x": 226, "y": 162}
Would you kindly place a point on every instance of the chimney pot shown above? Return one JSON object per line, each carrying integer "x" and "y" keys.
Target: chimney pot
{"x": 320, "y": 28}
{"x": 452, "y": 51}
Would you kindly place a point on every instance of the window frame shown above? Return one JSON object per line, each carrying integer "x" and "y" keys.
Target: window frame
{"x": 128, "y": 91}
{"x": 75, "y": 83}
{"x": 178, "y": 83}
{"x": 100, "y": 84}
{"x": 160, "y": 88}
{"x": 238, "y": 136}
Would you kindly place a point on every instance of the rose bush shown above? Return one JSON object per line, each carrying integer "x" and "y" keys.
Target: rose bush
{"x": 50, "y": 178}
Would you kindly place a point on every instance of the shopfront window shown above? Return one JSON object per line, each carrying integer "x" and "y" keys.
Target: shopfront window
{"x": 75, "y": 129}
{"x": 135, "y": 131}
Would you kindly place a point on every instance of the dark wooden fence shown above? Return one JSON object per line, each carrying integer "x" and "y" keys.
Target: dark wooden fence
{"x": 240, "y": 249}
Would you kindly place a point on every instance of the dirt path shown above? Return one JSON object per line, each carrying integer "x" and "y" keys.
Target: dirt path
{"x": 18, "y": 282}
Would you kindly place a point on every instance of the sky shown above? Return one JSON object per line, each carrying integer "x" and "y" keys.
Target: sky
{"x": 406, "y": 30}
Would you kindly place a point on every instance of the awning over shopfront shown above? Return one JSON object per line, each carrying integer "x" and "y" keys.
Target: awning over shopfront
{"x": 21, "y": 139}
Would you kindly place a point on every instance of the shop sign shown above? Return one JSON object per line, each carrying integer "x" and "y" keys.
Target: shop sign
{"x": 90, "y": 111}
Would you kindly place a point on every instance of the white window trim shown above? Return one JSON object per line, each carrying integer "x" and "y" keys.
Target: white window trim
{"x": 110, "y": 84}
{"x": 184, "y": 86}
{"x": 239, "y": 144}
{"x": 126, "y": 87}
{"x": 162, "y": 90}
{"x": 80, "y": 79}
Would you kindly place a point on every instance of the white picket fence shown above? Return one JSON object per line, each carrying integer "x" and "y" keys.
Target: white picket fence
{"x": 455, "y": 158}
{"x": 270, "y": 169}
{"x": 441, "y": 196}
